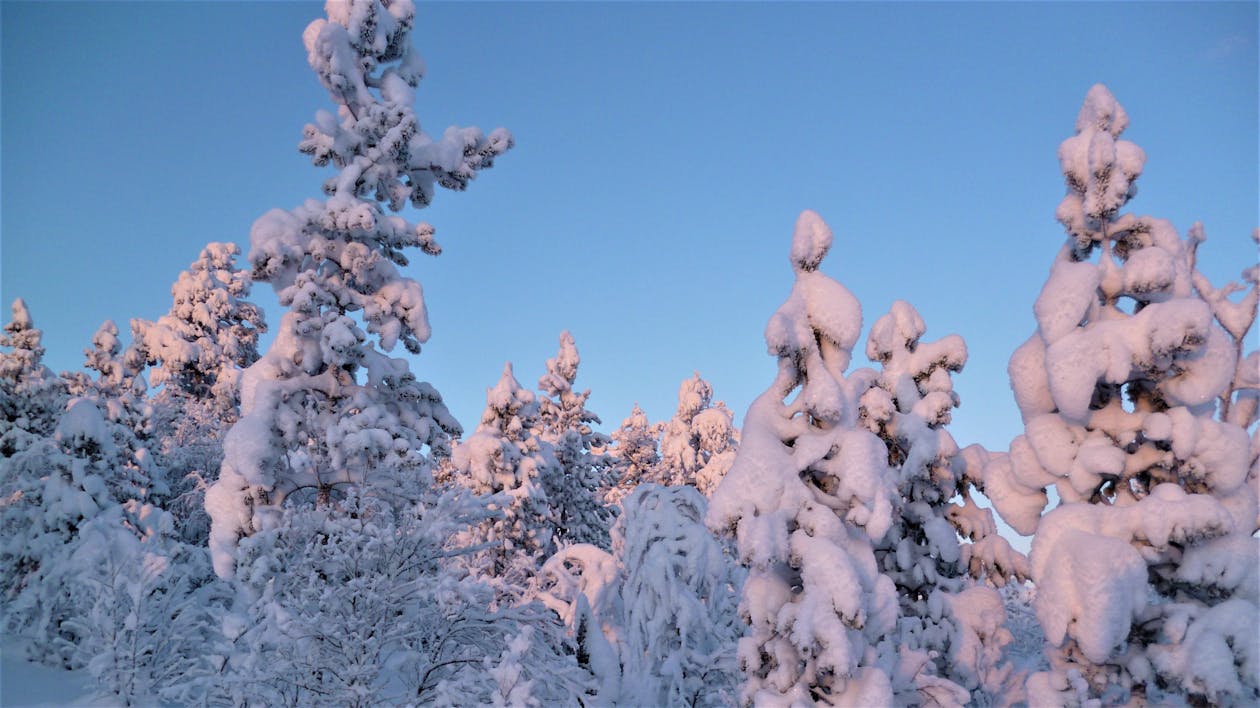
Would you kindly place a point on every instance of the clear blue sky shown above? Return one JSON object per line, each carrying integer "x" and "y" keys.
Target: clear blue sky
{"x": 663, "y": 153}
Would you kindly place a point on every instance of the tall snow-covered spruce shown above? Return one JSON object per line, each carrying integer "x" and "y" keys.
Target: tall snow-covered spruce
{"x": 1136, "y": 400}
{"x": 806, "y": 499}
{"x": 326, "y": 406}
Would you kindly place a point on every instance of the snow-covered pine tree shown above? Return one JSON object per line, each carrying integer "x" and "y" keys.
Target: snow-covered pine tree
{"x": 32, "y": 397}
{"x": 1146, "y": 573}
{"x": 698, "y": 444}
{"x": 199, "y": 347}
{"x": 806, "y": 499}
{"x": 197, "y": 351}
{"x": 564, "y": 423}
{"x": 32, "y": 401}
{"x": 504, "y": 458}
{"x": 120, "y": 392}
{"x": 950, "y": 625}
{"x": 635, "y": 454}
{"x": 326, "y": 407}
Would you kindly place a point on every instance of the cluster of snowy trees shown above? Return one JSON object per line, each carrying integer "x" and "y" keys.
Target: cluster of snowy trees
{"x": 196, "y": 521}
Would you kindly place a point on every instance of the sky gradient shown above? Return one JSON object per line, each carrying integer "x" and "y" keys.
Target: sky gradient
{"x": 663, "y": 153}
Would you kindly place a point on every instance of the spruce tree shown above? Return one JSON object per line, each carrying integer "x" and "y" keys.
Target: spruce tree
{"x": 951, "y": 626}
{"x": 505, "y": 461}
{"x": 808, "y": 496}
{"x": 1129, "y": 390}
{"x": 564, "y": 423}
{"x": 32, "y": 397}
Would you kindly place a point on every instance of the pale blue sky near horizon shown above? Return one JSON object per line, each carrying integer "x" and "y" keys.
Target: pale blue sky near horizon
{"x": 663, "y": 153}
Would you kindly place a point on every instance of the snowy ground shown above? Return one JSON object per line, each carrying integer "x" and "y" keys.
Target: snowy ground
{"x": 25, "y": 684}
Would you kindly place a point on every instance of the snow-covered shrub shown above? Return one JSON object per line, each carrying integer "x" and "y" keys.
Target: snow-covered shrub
{"x": 147, "y": 610}
{"x": 1136, "y": 399}
{"x": 657, "y": 617}
{"x": 679, "y": 594}
{"x": 564, "y": 423}
{"x": 698, "y": 444}
{"x": 808, "y": 496}
{"x": 357, "y": 603}
{"x": 326, "y": 408}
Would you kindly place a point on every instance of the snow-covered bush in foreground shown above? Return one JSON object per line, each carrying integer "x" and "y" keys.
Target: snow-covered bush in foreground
{"x": 147, "y": 611}
{"x": 326, "y": 407}
{"x": 357, "y": 603}
{"x": 1136, "y": 400}
{"x": 806, "y": 499}
{"x": 657, "y": 616}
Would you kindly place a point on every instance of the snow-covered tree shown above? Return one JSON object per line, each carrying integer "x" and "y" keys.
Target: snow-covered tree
{"x": 120, "y": 392}
{"x": 679, "y": 597}
{"x": 196, "y": 353}
{"x": 93, "y": 459}
{"x": 326, "y": 408}
{"x": 564, "y": 423}
{"x": 635, "y": 454}
{"x": 199, "y": 347}
{"x": 949, "y": 623}
{"x": 1135, "y": 411}
{"x": 32, "y": 397}
{"x": 806, "y": 499}
{"x": 505, "y": 459}
{"x": 698, "y": 444}
{"x": 662, "y": 605}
